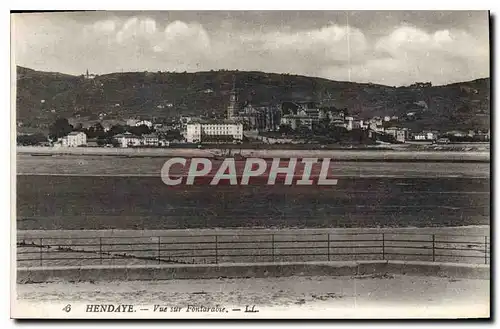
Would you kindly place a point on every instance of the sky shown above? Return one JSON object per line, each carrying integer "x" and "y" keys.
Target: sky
{"x": 387, "y": 47}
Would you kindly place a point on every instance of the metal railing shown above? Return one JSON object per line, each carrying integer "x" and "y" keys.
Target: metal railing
{"x": 272, "y": 247}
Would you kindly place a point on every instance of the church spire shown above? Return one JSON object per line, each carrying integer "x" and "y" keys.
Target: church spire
{"x": 232, "y": 100}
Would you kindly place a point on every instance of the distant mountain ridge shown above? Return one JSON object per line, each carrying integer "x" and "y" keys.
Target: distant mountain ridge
{"x": 43, "y": 96}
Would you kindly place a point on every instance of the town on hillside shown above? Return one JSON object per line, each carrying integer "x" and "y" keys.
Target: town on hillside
{"x": 289, "y": 122}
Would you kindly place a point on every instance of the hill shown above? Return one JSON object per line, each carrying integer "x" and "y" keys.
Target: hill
{"x": 43, "y": 96}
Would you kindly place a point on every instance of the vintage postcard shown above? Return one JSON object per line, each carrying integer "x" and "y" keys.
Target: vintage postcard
{"x": 251, "y": 164}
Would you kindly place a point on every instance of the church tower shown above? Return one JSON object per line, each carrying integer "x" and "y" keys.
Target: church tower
{"x": 231, "y": 109}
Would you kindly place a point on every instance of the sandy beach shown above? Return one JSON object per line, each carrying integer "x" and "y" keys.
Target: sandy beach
{"x": 388, "y": 296}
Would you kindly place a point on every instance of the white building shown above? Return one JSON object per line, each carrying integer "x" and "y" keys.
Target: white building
{"x": 431, "y": 135}
{"x": 419, "y": 136}
{"x": 151, "y": 140}
{"x": 128, "y": 140}
{"x": 203, "y": 131}
{"x": 376, "y": 120}
{"x": 74, "y": 139}
{"x": 375, "y": 126}
{"x": 186, "y": 119}
{"x": 147, "y": 123}
{"x": 358, "y": 124}
{"x": 425, "y": 136}
{"x": 132, "y": 122}
{"x": 296, "y": 121}
{"x": 399, "y": 134}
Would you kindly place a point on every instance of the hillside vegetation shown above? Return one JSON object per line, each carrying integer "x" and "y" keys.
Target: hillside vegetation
{"x": 44, "y": 96}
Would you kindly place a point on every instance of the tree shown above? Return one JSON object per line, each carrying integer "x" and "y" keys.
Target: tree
{"x": 104, "y": 140}
{"x": 336, "y": 133}
{"x": 115, "y": 130}
{"x": 34, "y": 139}
{"x": 140, "y": 130}
{"x": 322, "y": 127}
{"x": 303, "y": 130}
{"x": 173, "y": 135}
{"x": 95, "y": 131}
{"x": 60, "y": 128}
{"x": 115, "y": 143}
{"x": 285, "y": 129}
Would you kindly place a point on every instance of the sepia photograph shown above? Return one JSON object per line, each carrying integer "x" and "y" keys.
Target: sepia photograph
{"x": 250, "y": 164}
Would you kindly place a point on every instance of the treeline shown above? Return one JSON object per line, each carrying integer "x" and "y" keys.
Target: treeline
{"x": 61, "y": 127}
{"x": 467, "y": 139}
{"x": 324, "y": 132}
{"x": 32, "y": 139}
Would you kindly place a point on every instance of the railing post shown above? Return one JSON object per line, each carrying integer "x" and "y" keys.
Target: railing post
{"x": 41, "y": 251}
{"x": 328, "y": 246}
{"x": 100, "y": 249}
{"x": 486, "y": 249}
{"x": 383, "y": 246}
{"x": 159, "y": 249}
{"x": 216, "y": 250}
{"x": 272, "y": 246}
{"x": 433, "y": 247}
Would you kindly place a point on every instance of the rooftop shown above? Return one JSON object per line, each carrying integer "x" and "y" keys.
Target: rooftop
{"x": 395, "y": 128}
{"x": 214, "y": 121}
{"x": 126, "y": 135}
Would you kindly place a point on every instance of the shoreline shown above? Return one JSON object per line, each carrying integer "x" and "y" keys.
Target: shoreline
{"x": 340, "y": 155}
{"x": 470, "y": 230}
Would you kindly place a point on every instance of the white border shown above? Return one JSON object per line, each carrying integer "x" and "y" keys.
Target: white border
{"x": 190, "y": 5}
{"x": 257, "y": 5}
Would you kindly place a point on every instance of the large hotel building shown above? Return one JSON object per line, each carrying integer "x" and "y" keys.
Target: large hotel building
{"x": 207, "y": 131}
